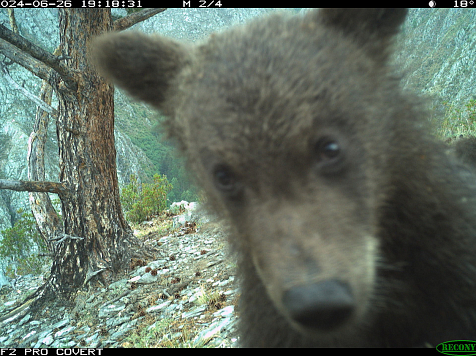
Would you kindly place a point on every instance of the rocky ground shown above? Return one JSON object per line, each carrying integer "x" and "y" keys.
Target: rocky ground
{"x": 185, "y": 296}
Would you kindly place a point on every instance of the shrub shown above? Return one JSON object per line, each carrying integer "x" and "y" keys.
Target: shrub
{"x": 458, "y": 121}
{"x": 140, "y": 201}
{"x": 21, "y": 245}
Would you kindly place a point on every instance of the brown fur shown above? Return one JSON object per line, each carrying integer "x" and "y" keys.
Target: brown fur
{"x": 352, "y": 226}
{"x": 464, "y": 149}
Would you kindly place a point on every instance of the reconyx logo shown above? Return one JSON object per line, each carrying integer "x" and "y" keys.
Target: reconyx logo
{"x": 457, "y": 347}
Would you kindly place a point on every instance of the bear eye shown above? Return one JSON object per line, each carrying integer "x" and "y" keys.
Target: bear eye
{"x": 327, "y": 150}
{"x": 329, "y": 156}
{"x": 225, "y": 179}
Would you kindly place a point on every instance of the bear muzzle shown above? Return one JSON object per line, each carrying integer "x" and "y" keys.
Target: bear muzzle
{"x": 321, "y": 306}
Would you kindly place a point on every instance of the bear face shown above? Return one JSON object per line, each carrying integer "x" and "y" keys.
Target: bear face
{"x": 301, "y": 137}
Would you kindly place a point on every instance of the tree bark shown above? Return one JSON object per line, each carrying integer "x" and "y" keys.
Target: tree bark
{"x": 85, "y": 129}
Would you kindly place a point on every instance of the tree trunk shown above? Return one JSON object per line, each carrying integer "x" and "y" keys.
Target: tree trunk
{"x": 47, "y": 219}
{"x": 85, "y": 129}
{"x": 94, "y": 240}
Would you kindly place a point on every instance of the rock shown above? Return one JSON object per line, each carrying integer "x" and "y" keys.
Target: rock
{"x": 176, "y": 296}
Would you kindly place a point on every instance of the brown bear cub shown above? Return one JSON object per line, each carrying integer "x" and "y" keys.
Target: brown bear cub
{"x": 352, "y": 225}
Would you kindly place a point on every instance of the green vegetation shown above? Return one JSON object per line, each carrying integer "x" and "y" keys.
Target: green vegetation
{"x": 140, "y": 201}
{"x": 21, "y": 245}
{"x": 162, "y": 333}
{"x": 458, "y": 121}
{"x": 144, "y": 127}
{"x": 208, "y": 297}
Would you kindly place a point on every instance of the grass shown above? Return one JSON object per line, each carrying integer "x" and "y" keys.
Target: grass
{"x": 458, "y": 121}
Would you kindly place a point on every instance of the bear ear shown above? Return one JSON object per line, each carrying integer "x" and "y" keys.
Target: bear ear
{"x": 145, "y": 66}
{"x": 373, "y": 29}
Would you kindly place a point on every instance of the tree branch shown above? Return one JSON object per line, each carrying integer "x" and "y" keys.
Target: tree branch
{"x": 13, "y": 21}
{"x": 40, "y": 54}
{"x": 135, "y": 17}
{"x": 35, "y": 186}
{"x": 35, "y": 99}
{"x": 26, "y": 61}
{"x": 60, "y": 237}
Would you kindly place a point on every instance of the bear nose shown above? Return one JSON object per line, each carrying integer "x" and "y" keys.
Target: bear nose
{"x": 324, "y": 305}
